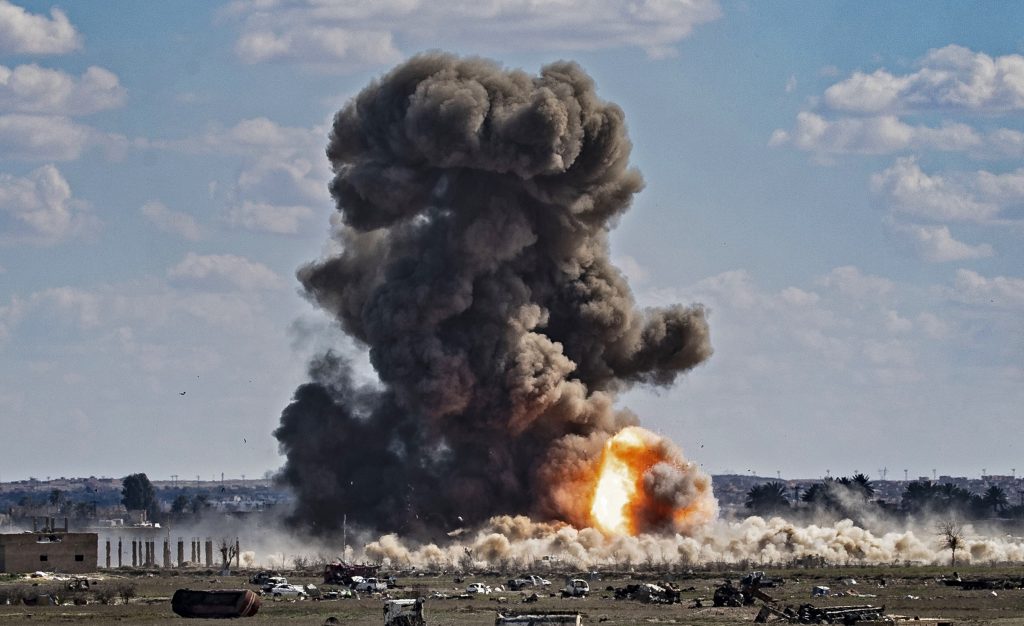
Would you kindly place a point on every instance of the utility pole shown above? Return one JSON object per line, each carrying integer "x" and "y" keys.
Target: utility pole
{"x": 344, "y": 537}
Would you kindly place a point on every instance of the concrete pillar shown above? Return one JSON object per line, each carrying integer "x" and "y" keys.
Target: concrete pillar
{"x": 238, "y": 555}
{"x": 181, "y": 552}
{"x": 167, "y": 553}
{"x": 119, "y": 552}
{"x": 209, "y": 553}
{"x": 108, "y": 554}
{"x": 134, "y": 555}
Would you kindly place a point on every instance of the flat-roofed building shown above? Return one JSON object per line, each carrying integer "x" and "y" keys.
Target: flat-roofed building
{"x": 50, "y": 550}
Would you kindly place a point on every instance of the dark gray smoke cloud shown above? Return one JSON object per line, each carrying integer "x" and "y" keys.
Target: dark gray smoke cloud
{"x": 476, "y": 204}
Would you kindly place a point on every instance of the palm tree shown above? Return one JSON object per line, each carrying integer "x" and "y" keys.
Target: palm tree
{"x": 918, "y": 496}
{"x": 767, "y": 498}
{"x": 996, "y": 498}
{"x": 821, "y": 495}
{"x": 862, "y": 483}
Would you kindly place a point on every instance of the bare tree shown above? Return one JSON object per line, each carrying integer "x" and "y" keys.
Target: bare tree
{"x": 952, "y": 535}
{"x": 228, "y": 552}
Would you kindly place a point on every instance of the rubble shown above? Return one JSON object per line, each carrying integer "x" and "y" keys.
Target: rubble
{"x": 749, "y": 590}
{"x": 810, "y": 614}
{"x": 572, "y": 618}
{"x": 407, "y": 612}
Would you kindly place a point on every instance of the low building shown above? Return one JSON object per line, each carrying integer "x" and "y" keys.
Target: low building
{"x": 48, "y": 549}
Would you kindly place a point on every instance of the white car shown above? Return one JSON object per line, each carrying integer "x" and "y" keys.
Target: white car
{"x": 272, "y": 582}
{"x": 477, "y": 588}
{"x": 371, "y": 585}
{"x": 287, "y": 591}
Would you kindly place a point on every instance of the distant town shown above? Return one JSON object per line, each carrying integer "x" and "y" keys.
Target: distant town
{"x": 96, "y": 501}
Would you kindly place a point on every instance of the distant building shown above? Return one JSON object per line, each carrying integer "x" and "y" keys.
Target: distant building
{"x": 48, "y": 549}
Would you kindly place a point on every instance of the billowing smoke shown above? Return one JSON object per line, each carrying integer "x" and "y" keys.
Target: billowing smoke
{"x": 518, "y": 543}
{"x": 475, "y": 205}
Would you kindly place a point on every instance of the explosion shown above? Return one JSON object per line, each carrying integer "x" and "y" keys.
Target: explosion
{"x": 471, "y": 261}
{"x": 628, "y": 498}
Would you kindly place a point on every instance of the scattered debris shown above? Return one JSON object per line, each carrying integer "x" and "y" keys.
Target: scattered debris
{"x": 341, "y": 573}
{"x": 536, "y": 619}
{"x": 983, "y": 583}
{"x": 407, "y": 612}
{"x": 666, "y": 593}
{"x": 749, "y": 590}
{"x": 810, "y": 614}
{"x": 77, "y": 583}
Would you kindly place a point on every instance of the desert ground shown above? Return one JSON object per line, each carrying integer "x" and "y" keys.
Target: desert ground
{"x": 913, "y": 591}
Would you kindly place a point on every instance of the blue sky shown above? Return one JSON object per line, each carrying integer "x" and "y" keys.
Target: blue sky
{"x": 841, "y": 184}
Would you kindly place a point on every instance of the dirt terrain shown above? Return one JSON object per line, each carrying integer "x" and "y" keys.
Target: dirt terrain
{"x": 912, "y": 591}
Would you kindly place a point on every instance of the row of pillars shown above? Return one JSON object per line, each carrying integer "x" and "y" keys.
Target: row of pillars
{"x": 144, "y": 553}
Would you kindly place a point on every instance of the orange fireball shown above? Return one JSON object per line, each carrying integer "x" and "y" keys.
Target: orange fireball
{"x": 643, "y": 484}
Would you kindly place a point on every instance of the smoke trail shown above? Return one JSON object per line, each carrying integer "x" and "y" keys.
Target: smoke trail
{"x": 476, "y": 204}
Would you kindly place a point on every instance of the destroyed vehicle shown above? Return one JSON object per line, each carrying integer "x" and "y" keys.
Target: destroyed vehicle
{"x": 222, "y": 603}
{"x": 572, "y": 618}
{"x": 810, "y": 614}
{"x": 538, "y": 581}
{"x": 341, "y": 573}
{"x": 272, "y": 582}
{"x": 371, "y": 585}
{"x": 286, "y": 591}
{"x": 515, "y": 584}
{"x": 263, "y": 577}
{"x": 576, "y": 588}
{"x": 407, "y": 612}
{"x": 758, "y": 579}
{"x": 477, "y": 588}
{"x": 650, "y": 594}
{"x": 727, "y": 595}
{"x": 77, "y": 583}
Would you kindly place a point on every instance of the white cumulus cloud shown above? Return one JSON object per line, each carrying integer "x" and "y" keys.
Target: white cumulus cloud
{"x": 38, "y": 208}
{"x": 22, "y": 32}
{"x": 952, "y": 77}
{"x": 883, "y": 134}
{"x": 39, "y": 90}
{"x": 936, "y": 244}
{"x": 27, "y": 137}
{"x": 970, "y": 196}
{"x": 851, "y": 282}
{"x": 1002, "y": 291}
{"x": 348, "y": 36}
{"x": 219, "y": 270}
{"x": 283, "y": 175}
{"x": 174, "y": 222}
{"x": 270, "y": 218}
